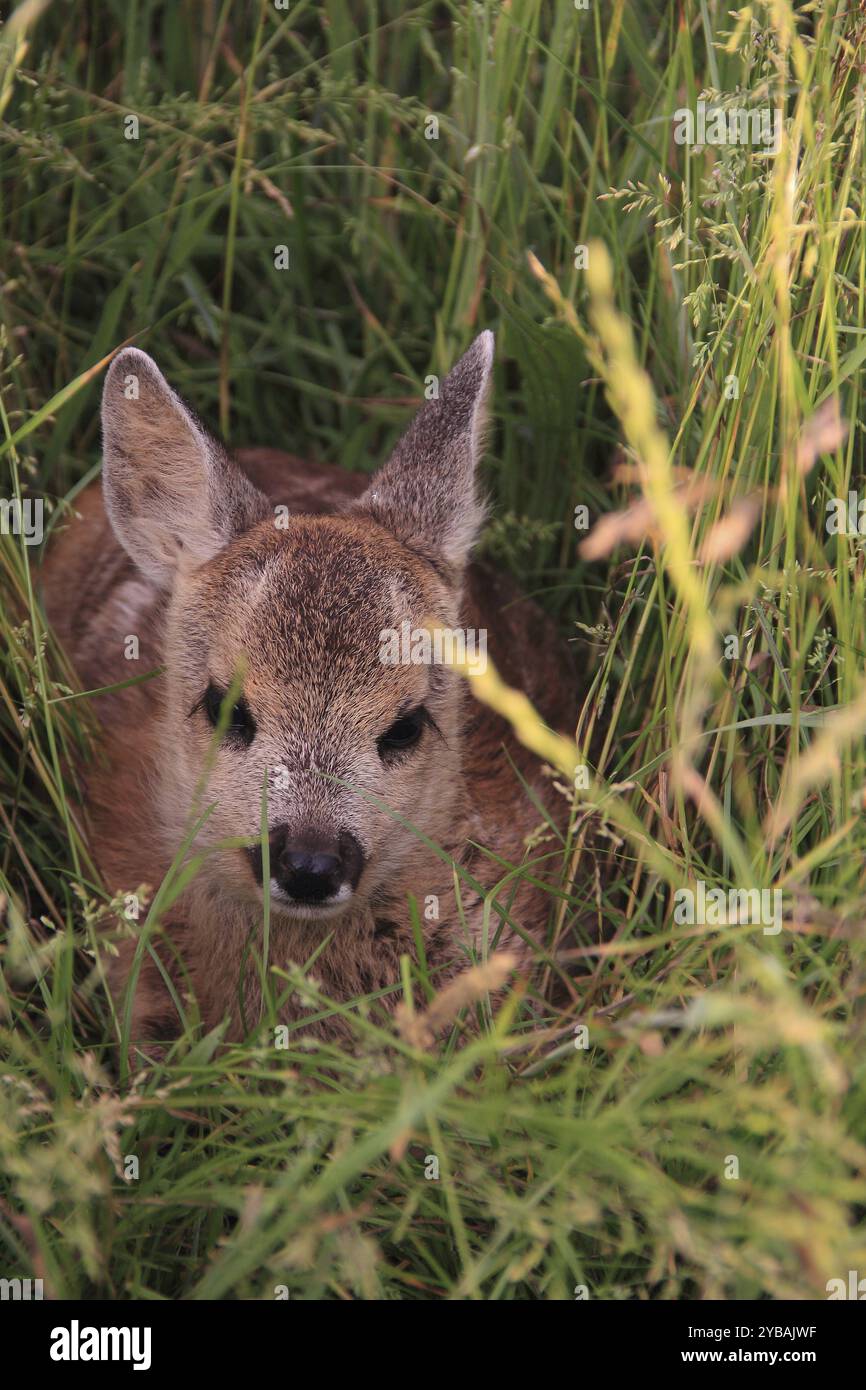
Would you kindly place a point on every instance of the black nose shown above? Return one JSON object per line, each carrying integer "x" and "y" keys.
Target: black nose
{"x": 308, "y": 873}
{"x": 311, "y": 868}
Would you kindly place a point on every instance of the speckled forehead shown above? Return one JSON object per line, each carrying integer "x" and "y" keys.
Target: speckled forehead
{"x": 320, "y": 590}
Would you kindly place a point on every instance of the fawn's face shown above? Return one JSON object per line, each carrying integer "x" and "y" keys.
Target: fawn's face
{"x": 332, "y": 733}
{"x": 282, "y": 708}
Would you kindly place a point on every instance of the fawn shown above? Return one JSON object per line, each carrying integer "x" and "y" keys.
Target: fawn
{"x": 275, "y": 579}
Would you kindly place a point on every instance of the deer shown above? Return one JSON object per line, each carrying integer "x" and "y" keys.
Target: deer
{"x": 347, "y": 798}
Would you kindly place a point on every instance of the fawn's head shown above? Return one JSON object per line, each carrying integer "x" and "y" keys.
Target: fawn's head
{"x": 279, "y": 693}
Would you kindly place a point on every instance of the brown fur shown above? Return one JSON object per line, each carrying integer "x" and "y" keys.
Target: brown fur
{"x": 217, "y": 587}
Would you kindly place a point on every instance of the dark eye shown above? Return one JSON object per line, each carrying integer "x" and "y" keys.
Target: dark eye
{"x": 241, "y": 727}
{"x": 404, "y": 732}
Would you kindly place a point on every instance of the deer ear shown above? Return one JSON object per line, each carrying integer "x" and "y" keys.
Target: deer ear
{"x": 426, "y": 493}
{"x": 173, "y": 495}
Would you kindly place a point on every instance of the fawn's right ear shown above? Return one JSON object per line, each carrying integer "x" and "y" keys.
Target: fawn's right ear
{"x": 173, "y": 495}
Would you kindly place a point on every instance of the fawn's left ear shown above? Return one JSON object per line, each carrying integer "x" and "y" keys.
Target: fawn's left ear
{"x": 425, "y": 494}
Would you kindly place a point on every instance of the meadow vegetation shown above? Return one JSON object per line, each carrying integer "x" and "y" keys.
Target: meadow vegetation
{"x": 680, "y": 334}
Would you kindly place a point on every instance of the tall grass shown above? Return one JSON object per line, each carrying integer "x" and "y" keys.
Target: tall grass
{"x": 684, "y": 385}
